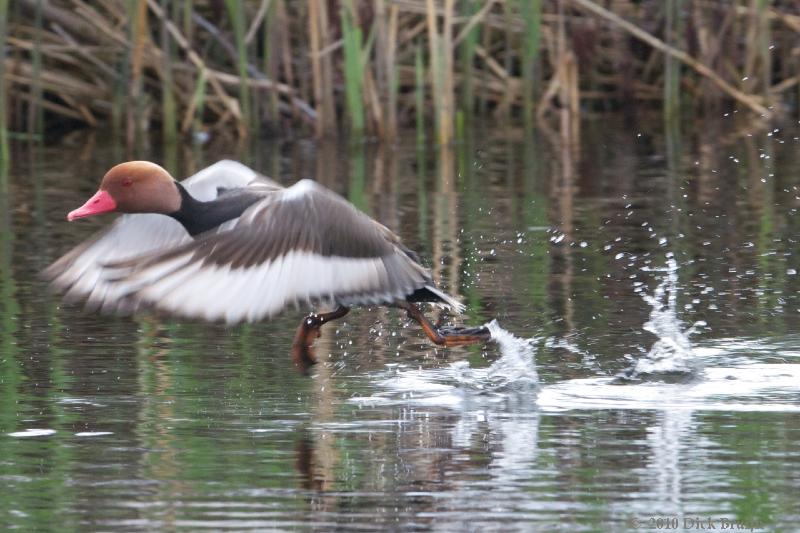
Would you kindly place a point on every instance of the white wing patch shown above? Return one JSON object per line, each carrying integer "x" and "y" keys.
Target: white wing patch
{"x": 80, "y": 272}
{"x": 225, "y": 174}
{"x": 299, "y": 189}
{"x": 215, "y": 292}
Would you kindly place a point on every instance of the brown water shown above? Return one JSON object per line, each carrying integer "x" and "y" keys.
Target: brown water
{"x": 646, "y": 365}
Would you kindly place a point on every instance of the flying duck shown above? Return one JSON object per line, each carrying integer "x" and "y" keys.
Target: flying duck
{"x": 230, "y": 244}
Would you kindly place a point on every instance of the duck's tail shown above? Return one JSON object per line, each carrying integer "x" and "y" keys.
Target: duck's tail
{"x": 431, "y": 294}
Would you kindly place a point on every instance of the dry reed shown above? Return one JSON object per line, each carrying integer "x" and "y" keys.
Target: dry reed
{"x": 233, "y": 67}
{"x": 4, "y": 151}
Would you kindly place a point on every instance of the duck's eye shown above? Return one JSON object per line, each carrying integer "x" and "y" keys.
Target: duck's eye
{"x": 127, "y": 182}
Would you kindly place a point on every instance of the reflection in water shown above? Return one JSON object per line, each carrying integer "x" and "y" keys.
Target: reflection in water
{"x": 562, "y": 193}
{"x": 446, "y": 252}
{"x": 664, "y": 473}
{"x": 113, "y": 423}
{"x": 511, "y": 441}
{"x": 155, "y": 416}
{"x": 10, "y": 375}
{"x": 491, "y": 409}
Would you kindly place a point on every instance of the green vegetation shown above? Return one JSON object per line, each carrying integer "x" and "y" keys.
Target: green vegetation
{"x": 378, "y": 66}
{"x": 353, "y": 66}
{"x": 4, "y": 153}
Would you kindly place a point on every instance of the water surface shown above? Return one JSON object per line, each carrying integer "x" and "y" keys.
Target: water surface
{"x": 646, "y": 361}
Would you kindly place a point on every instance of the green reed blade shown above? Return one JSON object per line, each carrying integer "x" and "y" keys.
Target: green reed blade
{"x": 169, "y": 110}
{"x": 198, "y": 99}
{"x": 35, "y": 114}
{"x": 531, "y": 43}
{"x": 4, "y": 149}
{"x": 269, "y": 57}
{"x": 419, "y": 94}
{"x": 237, "y": 16}
{"x": 353, "y": 67}
{"x": 467, "y": 49}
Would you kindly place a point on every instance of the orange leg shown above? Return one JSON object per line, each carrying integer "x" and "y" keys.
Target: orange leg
{"x": 302, "y": 351}
{"x": 446, "y": 336}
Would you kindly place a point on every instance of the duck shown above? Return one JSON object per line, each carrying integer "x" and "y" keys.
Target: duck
{"x": 230, "y": 244}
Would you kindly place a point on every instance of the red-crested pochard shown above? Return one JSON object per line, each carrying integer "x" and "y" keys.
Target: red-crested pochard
{"x": 238, "y": 247}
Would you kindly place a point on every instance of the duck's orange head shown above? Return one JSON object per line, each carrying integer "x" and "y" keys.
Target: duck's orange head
{"x": 132, "y": 187}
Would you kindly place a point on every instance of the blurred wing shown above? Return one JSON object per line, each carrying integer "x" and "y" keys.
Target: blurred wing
{"x": 304, "y": 244}
{"x": 80, "y": 273}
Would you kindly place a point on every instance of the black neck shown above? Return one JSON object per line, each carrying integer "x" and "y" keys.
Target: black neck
{"x": 198, "y": 217}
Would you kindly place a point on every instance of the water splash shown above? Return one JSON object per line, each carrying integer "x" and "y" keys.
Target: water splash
{"x": 516, "y": 366}
{"x": 752, "y": 387}
{"x": 514, "y": 370}
{"x": 458, "y": 384}
{"x": 672, "y": 356}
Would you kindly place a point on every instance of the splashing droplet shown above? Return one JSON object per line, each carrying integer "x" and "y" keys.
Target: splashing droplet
{"x": 671, "y": 356}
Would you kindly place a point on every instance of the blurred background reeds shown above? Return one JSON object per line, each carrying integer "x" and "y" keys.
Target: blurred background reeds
{"x": 190, "y": 69}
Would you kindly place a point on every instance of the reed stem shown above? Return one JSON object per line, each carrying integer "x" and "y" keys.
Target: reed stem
{"x": 4, "y": 148}
{"x": 467, "y": 53}
{"x": 321, "y": 69}
{"x": 270, "y": 45}
{"x": 419, "y": 94}
{"x": 671, "y": 64}
{"x": 169, "y": 112}
{"x": 136, "y": 112}
{"x": 764, "y": 47}
{"x": 440, "y": 46}
{"x": 198, "y": 101}
{"x": 236, "y": 13}
{"x": 186, "y": 19}
{"x": 35, "y": 114}
{"x": 353, "y": 67}
{"x": 532, "y": 15}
